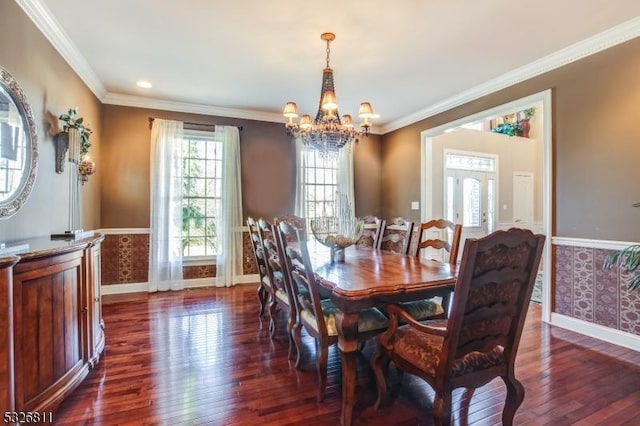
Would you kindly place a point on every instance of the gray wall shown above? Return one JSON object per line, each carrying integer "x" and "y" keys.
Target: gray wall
{"x": 51, "y": 87}
{"x": 596, "y": 129}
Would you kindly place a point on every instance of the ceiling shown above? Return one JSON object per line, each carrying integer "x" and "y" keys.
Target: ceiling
{"x": 245, "y": 59}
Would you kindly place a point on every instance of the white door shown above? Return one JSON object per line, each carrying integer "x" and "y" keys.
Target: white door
{"x": 523, "y": 199}
{"x": 470, "y": 200}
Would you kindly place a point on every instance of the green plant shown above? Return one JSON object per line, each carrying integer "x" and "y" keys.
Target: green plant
{"x": 529, "y": 113}
{"x": 509, "y": 128}
{"x": 628, "y": 259}
{"x": 72, "y": 121}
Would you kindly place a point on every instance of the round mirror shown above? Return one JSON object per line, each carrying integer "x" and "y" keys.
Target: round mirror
{"x": 18, "y": 146}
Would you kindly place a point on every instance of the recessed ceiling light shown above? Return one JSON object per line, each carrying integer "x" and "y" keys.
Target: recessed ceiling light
{"x": 144, "y": 84}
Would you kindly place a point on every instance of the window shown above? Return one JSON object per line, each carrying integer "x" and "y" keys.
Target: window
{"x": 320, "y": 177}
{"x": 201, "y": 193}
{"x": 461, "y": 161}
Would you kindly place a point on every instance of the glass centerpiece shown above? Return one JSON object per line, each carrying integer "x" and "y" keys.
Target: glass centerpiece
{"x": 340, "y": 231}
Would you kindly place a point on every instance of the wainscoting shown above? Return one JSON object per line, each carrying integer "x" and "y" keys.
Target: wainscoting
{"x": 125, "y": 261}
{"x": 590, "y": 299}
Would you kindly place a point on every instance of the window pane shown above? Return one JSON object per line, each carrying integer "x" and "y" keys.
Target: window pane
{"x": 320, "y": 185}
{"x": 450, "y": 195}
{"x": 202, "y": 186}
{"x": 471, "y": 202}
{"x": 469, "y": 162}
{"x": 491, "y": 200}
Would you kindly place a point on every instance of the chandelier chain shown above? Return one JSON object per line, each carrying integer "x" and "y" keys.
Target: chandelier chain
{"x": 328, "y": 52}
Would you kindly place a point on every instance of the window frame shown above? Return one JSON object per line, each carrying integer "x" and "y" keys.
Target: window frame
{"x": 207, "y": 137}
{"x": 316, "y": 165}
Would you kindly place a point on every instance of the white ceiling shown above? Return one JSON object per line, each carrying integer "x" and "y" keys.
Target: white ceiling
{"x": 245, "y": 59}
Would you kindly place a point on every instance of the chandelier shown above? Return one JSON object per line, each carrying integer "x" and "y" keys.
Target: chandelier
{"x": 329, "y": 131}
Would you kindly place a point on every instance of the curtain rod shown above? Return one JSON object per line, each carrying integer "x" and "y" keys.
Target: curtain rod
{"x": 189, "y": 123}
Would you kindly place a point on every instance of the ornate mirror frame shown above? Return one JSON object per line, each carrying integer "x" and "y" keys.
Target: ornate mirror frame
{"x": 29, "y": 163}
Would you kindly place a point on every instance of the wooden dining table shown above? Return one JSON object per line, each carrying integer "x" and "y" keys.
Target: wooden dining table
{"x": 369, "y": 278}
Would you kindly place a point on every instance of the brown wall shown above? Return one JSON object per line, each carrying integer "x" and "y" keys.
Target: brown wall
{"x": 267, "y": 156}
{"x": 596, "y": 129}
{"x": 51, "y": 87}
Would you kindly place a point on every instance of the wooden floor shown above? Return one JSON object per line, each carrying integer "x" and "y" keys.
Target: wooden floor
{"x": 202, "y": 357}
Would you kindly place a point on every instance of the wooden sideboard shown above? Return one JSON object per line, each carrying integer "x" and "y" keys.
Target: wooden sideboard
{"x": 51, "y": 329}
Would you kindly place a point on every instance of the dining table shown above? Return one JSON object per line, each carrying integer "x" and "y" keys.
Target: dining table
{"x": 365, "y": 278}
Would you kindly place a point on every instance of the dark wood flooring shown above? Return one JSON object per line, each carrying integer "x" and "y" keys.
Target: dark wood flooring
{"x": 202, "y": 357}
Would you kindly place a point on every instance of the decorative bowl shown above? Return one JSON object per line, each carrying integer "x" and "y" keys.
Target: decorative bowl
{"x": 337, "y": 234}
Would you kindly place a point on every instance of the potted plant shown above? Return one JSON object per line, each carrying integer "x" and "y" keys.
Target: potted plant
{"x": 524, "y": 119}
{"x": 510, "y": 128}
{"x": 72, "y": 121}
{"x": 513, "y": 126}
{"x": 628, "y": 259}
{"x": 77, "y": 134}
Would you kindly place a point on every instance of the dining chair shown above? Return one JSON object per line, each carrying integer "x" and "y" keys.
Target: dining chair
{"x": 280, "y": 296}
{"x": 296, "y": 221}
{"x": 256, "y": 244}
{"x": 448, "y": 238}
{"x": 371, "y": 232}
{"x": 479, "y": 341}
{"x": 396, "y": 235}
{"x": 432, "y": 308}
{"x": 317, "y": 315}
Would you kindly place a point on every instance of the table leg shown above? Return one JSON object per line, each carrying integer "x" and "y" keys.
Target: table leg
{"x": 347, "y": 325}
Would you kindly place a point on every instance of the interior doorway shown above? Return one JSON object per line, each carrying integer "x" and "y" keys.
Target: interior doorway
{"x": 517, "y": 192}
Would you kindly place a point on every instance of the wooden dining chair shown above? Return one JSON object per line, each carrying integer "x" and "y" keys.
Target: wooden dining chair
{"x": 297, "y": 221}
{"x": 434, "y": 308}
{"x": 447, "y": 240}
{"x": 479, "y": 341}
{"x": 396, "y": 235}
{"x": 256, "y": 244}
{"x": 280, "y": 296}
{"x": 371, "y": 232}
{"x": 317, "y": 315}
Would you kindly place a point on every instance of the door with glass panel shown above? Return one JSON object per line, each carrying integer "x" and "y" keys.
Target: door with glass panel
{"x": 470, "y": 193}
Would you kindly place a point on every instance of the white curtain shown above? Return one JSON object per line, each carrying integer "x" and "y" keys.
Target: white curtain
{"x": 300, "y": 207}
{"x": 344, "y": 176}
{"x": 165, "y": 244}
{"x": 229, "y": 224}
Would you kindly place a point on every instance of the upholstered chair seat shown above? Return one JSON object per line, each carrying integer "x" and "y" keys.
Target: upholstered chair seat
{"x": 369, "y": 319}
{"x": 422, "y": 309}
{"x": 424, "y": 351}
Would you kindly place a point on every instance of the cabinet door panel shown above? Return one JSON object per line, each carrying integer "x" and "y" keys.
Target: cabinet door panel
{"x": 48, "y": 330}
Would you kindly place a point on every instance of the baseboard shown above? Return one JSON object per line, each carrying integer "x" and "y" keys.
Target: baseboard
{"x": 600, "y": 332}
{"x": 108, "y": 289}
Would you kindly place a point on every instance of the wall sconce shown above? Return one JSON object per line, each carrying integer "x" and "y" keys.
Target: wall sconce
{"x": 86, "y": 168}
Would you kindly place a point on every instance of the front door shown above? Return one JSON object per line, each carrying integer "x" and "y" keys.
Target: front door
{"x": 470, "y": 199}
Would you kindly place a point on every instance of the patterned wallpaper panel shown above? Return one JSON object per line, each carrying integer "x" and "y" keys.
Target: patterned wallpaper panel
{"x": 125, "y": 260}
{"x": 584, "y": 291}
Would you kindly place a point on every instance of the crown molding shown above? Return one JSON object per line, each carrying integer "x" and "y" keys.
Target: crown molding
{"x": 42, "y": 17}
{"x": 599, "y": 42}
{"x": 165, "y": 105}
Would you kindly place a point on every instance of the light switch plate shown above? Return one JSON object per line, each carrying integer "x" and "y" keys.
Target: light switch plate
{"x": 415, "y": 205}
